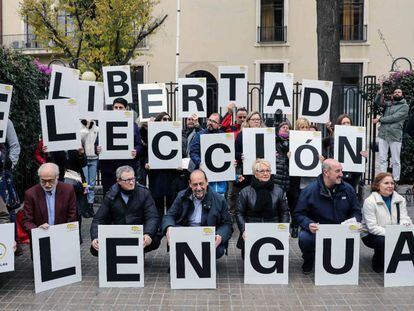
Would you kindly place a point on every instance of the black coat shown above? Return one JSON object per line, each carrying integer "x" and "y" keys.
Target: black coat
{"x": 140, "y": 210}
{"x": 282, "y": 163}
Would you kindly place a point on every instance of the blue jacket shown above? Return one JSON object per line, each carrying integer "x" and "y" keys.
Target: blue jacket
{"x": 317, "y": 205}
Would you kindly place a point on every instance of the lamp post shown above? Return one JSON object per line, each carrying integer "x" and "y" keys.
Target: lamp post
{"x": 87, "y": 75}
{"x": 395, "y": 62}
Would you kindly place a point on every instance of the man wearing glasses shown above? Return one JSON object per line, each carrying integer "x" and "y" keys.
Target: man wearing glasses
{"x": 127, "y": 203}
{"x": 226, "y": 122}
{"x": 50, "y": 202}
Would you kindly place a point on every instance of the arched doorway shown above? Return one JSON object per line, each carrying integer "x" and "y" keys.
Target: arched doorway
{"x": 212, "y": 99}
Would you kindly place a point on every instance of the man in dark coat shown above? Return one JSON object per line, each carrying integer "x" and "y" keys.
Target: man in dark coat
{"x": 197, "y": 206}
{"x": 327, "y": 200}
{"x": 128, "y": 203}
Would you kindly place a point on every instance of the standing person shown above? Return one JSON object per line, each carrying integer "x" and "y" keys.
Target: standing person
{"x": 261, "y": 201}
{"x": 390, "y": 133}
{"x": 383, "y": 207}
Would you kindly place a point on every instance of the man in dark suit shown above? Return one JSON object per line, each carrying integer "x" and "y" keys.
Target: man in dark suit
{"x": 50, "y": 202}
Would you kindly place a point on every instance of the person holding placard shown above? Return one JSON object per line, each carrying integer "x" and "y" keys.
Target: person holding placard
{"x": 128, "y": 203}
{"x": 383, "y": 207}
{"x": 262, "y": 201}
{"x": 227, "y": 124}
{"x": 327, "y": 200}
{"x": 198, "y": 206}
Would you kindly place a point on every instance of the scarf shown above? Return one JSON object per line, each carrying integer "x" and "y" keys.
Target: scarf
{"x": 263, "y": 204}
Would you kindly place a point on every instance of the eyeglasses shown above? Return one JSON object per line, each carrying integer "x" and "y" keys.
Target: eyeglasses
{"x": 241, "y": 117}
{"x": 255, "y": 119}
{"x": 264, "y": 171}
{"x": 213, "y": 121}
{"x": 48, "y": 181}
{"x": 129, "y": 180}
{"x": 166, "y": 119}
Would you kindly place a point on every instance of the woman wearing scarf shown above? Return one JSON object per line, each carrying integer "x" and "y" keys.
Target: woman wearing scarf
{"x": 260, "y": 202}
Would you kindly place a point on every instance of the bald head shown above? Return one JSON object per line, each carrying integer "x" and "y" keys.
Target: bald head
{"x": 48, "y": 175}
{"x": 332, "y": 172}
{"x": 198, "y": 184}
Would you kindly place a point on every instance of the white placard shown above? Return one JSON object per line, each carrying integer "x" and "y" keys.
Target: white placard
{"x": 315, "y": 104}
{"x": 6, "y": 247}
{"x": 119, "y": 244}
{"x": 217, "y": 156}
{"x": 116, "y": 134}
{"x": 63, "y": 82}
{"x": 278, "y": 92}
{"x": 399, "y": 256}
{"x": 192, "y": 257}
{"x": 6, "y": 91}
{"x": 152, "y": 100}
{"x": 164, "y": 145}
{"x": 232, "y": 86}
{"x": 266, "y": 253}
{"x": 305, "y": 148}
{"x": 349, "y": 141}
{"x": 337, "y": 255}
{"x": 117, "y": 83}
{"x": 192, "y": 97}
{"x": 258, "y": 143}
{"x": 56, "y": 256}
{"x": 60, "y": 124}
{"x": 90, "y": 97}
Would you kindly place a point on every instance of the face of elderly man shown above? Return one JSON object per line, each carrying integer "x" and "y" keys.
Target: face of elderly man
{"x": 48, "y": 178}
{"x": 127, "y": 180}
{"x": 198, "y": 184}
{"x": 333, "y": 175}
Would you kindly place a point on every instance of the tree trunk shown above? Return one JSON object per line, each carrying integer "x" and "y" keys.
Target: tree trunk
{"x": 329, "y": 67}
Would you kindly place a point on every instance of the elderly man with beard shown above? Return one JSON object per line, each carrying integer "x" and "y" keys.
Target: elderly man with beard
{"x": 327, "y": 200}
{"x": 198, "y": 206}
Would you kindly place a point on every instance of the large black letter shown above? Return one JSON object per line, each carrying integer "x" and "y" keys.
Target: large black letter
{"x": 45, "y": 257}
{"x": 344, "y": 143}
{"x": 110, "y": 135}
{"x": 56, "y": 86}
{"x": 282, "y": 96}
{"x": 327, "y": 254}
{"x": 306, "y": 102}
{"x": 146, "y": 103}
{"x": 209, "y": 161}
{"x": 156, "y": 143}
{"x": 3, "y": 98}
{"x": 196, "y": 98}
{"x": 278, "y": 259}
{"x": 91, "y": 97}
{"x": 112, "y": 83}
{"x": 232, "y": 77}
{"x": 397, "y": 255}
{"x": 314, "y": 153}
{"x": 112, "y": 260}
{"x": 51, "y": 127}
{"x": 260, "y": 146}
{"x": 183, "y": 250}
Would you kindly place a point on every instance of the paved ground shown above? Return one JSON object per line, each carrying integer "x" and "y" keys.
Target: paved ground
{"x": 17, "y": 289}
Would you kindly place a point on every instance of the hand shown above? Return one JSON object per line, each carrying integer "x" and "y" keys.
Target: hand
{"x": 167, "y": 235}
{"x": 194, "y": 116}
{"x": 14, "y": 246}
{"x": 321, "y": 158}
{"x": 289, "y": 154}
{"x": 98, "y": 149}
{"x": 244, "y": 235}
{"x": 152, "y": 119}
{"x": 95, "y": 244}
{"x": 313, "y": 227}
{"x": 235, "y": 163}
{"x": 147, "y": 167}
{"x": 240, "y": 178}
{"x": 45, "y": 226}
{"x": 44, "y": 148}
{"x": 147, "y": 240}
{"x": 180, "y": 168}
{"x": 376, "y": 120}
{"x": 218, "y": 240}
{"x": 242, "y": 156}
{"x": 134, "y": 153}
{"x": 230, "y": 107}
{"x": 364, "y": 154}
{"x": 81, "y": 151}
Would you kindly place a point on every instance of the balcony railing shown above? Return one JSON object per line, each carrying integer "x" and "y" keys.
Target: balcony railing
{"x": 21, "y": 42}
{"x": 353, "y": 32}
{"x": 272, "y": 34}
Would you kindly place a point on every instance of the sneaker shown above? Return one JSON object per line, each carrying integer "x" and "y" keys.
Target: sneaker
{"x": 307, "y": 266}
{"x": 294, "y": 232}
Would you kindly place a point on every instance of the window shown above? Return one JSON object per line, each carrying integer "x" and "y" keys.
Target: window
{"x": 352, "y": 18}
{"x": 351, "y": 73}
{"x": 269, "y": 68}
{"x": 272, "y": 27}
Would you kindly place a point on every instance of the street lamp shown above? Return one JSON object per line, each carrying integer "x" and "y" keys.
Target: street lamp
{"x": 395, "y": 62}
{"x": 88, "y": 75}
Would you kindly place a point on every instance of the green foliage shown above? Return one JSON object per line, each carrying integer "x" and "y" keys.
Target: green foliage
{"x": 405, "y": 81}
{"x": 28, "y": 87}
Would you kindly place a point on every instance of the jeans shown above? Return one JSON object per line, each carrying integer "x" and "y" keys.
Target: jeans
{"x": 395, "y": 148}
{"x": 90, "y": 171}
{"x": 377, "y": 242}
{"x": 307, "y": 244}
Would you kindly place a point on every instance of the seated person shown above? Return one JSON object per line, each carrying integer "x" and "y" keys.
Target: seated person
{"x": 128, "y": 203}
{"x": 383, "y": 207}
{"x": 199, "y": 206}
{"x": 261, "y": 201}
{"x": 327, "y": 200}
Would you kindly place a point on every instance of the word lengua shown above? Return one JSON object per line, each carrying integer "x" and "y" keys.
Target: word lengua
{"x": 217, "y": 156}
{"x": 5, "y": 100}
{"x": 6, "y": 247}
{"x": 56, "y": 256}
{"x": 337, "y": 255}
{"x": 152, "y": 100}
{"x": 117, "y": 83}
{"x": 121, "y": 256}
{"x": 63, "y": 82}
{"x": 192, "y": 257}
{"x": 192, "y": 97}
{"x": 315, "y": 102}
{"x": 278, "y": 92}
{"x": 266, "y": 258}
{"x": 232, "y": 86}
{"x": 399, "y": 256}
{"x": 60, "y": 124}
{"x": 305, "y": 149}
{"x": 349, "y": 142}
{"x": 116, "y": 134}
{"x": 164, "y": 140}
{"x": 258, "y": 143}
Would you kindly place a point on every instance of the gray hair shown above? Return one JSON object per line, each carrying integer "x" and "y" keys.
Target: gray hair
{"x": 122, "y": 169}
{"x": 260, "y": 162}
{"x": 51, "y": 165}
{"x": 327, "y": 164}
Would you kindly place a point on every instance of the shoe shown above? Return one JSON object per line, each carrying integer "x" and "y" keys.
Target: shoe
{"x": 307, "y": 266}
{"x": 295, "y": 232}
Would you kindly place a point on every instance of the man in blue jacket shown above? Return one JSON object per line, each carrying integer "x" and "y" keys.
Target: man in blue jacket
{"x": 197, "y": 206}
{"x": 327, "y": 200}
